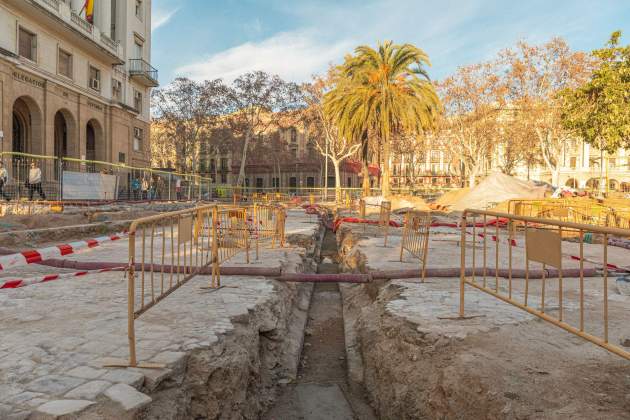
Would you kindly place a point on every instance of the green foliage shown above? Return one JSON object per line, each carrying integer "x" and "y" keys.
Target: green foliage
{"x": 599, "y": 110}
{"x": 386, "y": 92}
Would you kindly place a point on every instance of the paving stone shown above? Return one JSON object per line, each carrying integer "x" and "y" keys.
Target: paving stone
{"x": 86, "y": 372}
{"x": 64, "y": 407}
{"x": 23, "y": 397}
{"x": 88, "y": 391}
{"x": 124, "y": 376}
{"x": 54, "y": 384}
{"x": 129, "y": 398}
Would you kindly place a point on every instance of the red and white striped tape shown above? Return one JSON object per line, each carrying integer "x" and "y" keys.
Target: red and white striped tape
{"x": 34, "y": 256}
{"x": 17, "y": 283}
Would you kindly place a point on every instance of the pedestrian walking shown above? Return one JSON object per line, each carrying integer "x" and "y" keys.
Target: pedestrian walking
{"x": 4, "y": 179}
{"x": 34, "y": 183}
{"x": 135, "y": 188}
{"x": 178, "y": 188}
{"x": 145, "y": 188}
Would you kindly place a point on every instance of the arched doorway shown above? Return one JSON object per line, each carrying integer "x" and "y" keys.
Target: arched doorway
{"x": 27, "y": 125}
{"x": 592, "y": 184}
{"x": 613, "y": 184}
{"x": 19, "y": 134}
{"x": 572, "y": 183}
{"x": 93, "y": 143}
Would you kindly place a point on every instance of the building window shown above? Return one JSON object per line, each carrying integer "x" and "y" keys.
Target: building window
{"x": 139, "y": 9}
{"x": 117, "y": 90}
{"x": 138, "y": 137}
{"x": 293, "y": 135}
{"x": 612, "y": 162}
{"x": 65, "y": 64}
{"x": 121, "y": 157}
{"x": 223, "y": 178}
{"x": 137, "y": 101}
{"x": 27, "y": 44}
{"x": 573, "y": 162}
{"x": 138, "y": 47}
{"x": 224, "y": 164}
{"x": 435, "y": 156}
{"x": 95, "y": 79}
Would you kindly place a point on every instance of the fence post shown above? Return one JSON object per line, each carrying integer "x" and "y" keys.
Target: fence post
{"x": 60, "y": 163}
{"x": 256, "y": 230}
{"x": 246, "y": 233}
{"x": 131, "y": 290}
{"x": 462, "y": 273}
{"x": 170, "y": 181}
{"x": 216, "y": 274}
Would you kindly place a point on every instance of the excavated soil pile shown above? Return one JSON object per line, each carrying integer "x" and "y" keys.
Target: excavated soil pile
{"x": 497, "y": 188}
{"x": 399, "y": 202}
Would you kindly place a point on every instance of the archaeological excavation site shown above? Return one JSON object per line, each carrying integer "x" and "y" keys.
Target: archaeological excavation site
{"x": 276, "y": 308}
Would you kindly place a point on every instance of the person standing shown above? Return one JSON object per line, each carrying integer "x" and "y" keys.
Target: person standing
{"x": 178, "y": 188}
{"x": 4, "y": 179}
{"x": 145, "y": 189}
{"x": 35, "y": 182}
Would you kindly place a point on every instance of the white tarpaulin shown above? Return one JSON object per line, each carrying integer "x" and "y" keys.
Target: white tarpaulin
{"x": 89, "y": 186}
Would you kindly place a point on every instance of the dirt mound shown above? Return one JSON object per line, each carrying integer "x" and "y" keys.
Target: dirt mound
{"x": 497, "y": 188}
{"x": 451, "y": 197}
{"x": 399, "y": 202}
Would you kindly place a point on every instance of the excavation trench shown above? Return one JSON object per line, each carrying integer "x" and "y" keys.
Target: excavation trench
{"x": 321, "y": 390}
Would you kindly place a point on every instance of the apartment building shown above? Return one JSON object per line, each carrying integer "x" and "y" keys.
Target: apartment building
{"x": 75, "y": 79}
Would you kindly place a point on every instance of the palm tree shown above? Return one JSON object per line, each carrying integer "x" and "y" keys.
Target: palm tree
{"x": 386, "y": 92}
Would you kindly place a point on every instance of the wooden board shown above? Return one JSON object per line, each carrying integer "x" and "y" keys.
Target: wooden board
{"x": 544, "y": 246}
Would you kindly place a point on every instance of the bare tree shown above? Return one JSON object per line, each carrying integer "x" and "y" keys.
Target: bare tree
{"x": 533, "y": 76}
{"x": 328, "y": 140}
{"x": 470, "y": 98}
{"x": 185, "y": 109}
{"x": 255, "y": 103}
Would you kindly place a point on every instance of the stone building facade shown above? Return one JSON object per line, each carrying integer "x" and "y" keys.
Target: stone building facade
{"x": 73, "y": 85}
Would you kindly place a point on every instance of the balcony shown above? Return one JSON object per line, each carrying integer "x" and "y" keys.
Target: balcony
{"x": 143, "y": 72}
{"x": 58, "y": 16}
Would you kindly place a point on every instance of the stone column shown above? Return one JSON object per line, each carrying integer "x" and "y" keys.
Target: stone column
{"x": 76, "y": 5}
{"x": 103, "y": 16}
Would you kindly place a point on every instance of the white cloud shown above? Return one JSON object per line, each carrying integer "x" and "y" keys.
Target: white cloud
{"x": 293, "y": 56}
{"x": 161, "y": 17}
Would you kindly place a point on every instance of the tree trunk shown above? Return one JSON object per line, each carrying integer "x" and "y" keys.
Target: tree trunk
{"x": 364, "y": 167}
{"x": 241, "y": 173}
{"x": 472, "y": 178}
{"x": 386, "y": 180}
{"x": 336, "y": 164}
{"x": 603, "y": 182}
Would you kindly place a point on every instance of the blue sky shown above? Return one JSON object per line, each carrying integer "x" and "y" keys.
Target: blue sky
{"x": 206, "y": 39}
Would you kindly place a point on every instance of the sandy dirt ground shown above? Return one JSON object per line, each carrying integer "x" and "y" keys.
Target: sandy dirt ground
{"x": 420, "y": 361}
{"x": 58, "y": 338}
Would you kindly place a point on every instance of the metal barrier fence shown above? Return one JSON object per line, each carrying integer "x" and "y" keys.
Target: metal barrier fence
{"x": 165, "y": 252}
{"x": 575, "y": 210}
{"x": 506, "y": 248}
{"x": 168, "y": 250}
{"x": 230, "y": 235}
{"x": 129, "y": 183}
{"x": 384, "y": 219}
{"x": 415, "y": 238}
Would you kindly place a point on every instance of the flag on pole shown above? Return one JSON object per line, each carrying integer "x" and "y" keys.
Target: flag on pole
{"x": 89, "y": 10}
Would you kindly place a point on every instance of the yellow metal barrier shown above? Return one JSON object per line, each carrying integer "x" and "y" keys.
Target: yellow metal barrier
{"x": 574, "y": 210}
{"x": 165, "y": 252}
{"x": 416, "y": 238}
{"x": 384, "y": 218}
{"x": 505, "y": 250}
{"x": 268, "y": 224}
{"x": 168, "y": 250}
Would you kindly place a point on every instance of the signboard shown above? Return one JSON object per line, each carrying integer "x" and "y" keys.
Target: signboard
{"x": 89, "y": 186}
{"x": 545, "y": 247}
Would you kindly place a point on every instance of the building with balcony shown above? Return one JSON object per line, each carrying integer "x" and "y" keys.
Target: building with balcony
{"x": 73, "y": 85}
